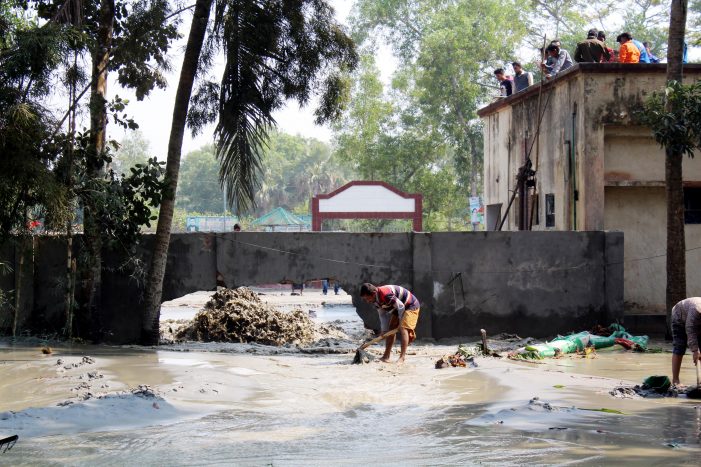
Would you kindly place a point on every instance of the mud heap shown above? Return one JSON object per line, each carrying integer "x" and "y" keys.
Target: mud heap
{"x": 238, "y": 315}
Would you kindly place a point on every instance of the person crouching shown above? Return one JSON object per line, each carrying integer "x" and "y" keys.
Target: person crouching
{"x": 397, "y": 307}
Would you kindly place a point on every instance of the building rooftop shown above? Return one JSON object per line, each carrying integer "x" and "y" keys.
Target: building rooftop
{"x": 585, "y": 68}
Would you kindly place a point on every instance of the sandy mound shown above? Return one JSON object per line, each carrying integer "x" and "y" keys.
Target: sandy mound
{"x": 239, "y": 315}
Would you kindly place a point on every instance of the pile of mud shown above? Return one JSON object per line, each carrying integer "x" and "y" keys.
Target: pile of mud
{"x": 238, "y": 315}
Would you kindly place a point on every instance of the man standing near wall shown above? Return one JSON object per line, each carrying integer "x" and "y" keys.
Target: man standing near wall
{"x": 397, "y": 308}
{"x": 591, "y": 50}
{"x": 686, "y": 332}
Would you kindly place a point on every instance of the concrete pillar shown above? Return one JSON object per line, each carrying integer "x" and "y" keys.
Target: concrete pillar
{"x": 613, "y": 282}
{"x": 422, "y": 281}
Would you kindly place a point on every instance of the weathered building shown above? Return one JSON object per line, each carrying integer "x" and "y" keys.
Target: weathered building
{"x": 597, "y": 168}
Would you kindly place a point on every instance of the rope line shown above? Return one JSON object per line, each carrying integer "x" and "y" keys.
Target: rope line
{"x": 450, "y": 271}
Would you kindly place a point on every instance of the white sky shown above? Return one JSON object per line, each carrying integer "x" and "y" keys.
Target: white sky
{"x": 153, "y": 114}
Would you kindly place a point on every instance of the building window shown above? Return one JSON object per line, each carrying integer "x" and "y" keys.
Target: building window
{"x": 692, "y": 205}
{"x": 550, "y": 210}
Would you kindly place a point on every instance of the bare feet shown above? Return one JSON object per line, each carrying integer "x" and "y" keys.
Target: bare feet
{"x": 385, "y": 359}
{"x": 400, "y": 360}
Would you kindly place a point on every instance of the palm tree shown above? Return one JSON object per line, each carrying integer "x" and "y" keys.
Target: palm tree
{"x": 676, "y": 255}
{"x": 275, "y": 50}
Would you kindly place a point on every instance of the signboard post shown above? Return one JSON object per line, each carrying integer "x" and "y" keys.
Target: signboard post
{"x": 476, "y": 212}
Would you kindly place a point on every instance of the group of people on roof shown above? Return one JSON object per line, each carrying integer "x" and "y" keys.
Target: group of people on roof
{"x": 593, "y": 49}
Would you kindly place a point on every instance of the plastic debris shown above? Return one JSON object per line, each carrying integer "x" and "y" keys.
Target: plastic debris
{"x": 583, "y": 343}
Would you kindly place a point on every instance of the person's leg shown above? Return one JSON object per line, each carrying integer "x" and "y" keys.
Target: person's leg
{"x": 389, "y": 342}
{"x": 324, "y": 286}
{"x": 676, "y": 366}
{"x": 404, "y": 335}
{"x": 678, "y": 349}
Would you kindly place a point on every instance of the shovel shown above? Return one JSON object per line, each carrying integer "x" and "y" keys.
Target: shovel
{"x": 695, "y": 393}
{"x": 361, "y": 356}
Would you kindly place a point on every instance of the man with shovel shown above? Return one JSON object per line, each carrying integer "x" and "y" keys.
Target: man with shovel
{"x": 686, "y": 331}
{"x": 397, "y": 308}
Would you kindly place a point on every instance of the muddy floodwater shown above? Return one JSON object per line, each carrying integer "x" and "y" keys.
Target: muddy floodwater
{"x": 250, "y": 405}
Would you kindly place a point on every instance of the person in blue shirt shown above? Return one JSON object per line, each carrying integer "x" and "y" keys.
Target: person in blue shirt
{"x": 644, "y": 57}
{"x": 653, "y": 58}
{"x": 685, "y": 57}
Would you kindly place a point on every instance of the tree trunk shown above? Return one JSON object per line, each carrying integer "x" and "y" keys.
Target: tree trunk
{"x": 95, "y": 166}
{"x": 676, "y": 248}
{"x": 154, "y": 285}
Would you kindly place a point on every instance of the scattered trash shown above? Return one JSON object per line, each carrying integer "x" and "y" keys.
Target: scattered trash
{"x": 558, "y": 386}
{"x": 613, "y": 411}
{"x": 464, "y": 357}
{"x": 584, "y": 343}
{"x": 46, "y": 350}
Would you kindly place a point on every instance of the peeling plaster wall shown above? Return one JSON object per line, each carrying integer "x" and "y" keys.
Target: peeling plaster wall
{"x": 531, "y": 283}
{"x": 594, "y": 106}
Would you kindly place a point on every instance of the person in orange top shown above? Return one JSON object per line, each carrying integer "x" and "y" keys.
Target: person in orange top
{"x": 628, "y": 52}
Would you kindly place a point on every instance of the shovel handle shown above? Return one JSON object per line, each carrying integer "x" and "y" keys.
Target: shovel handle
{"x": 379, "y": 338}
{"x": 698, "y": 377}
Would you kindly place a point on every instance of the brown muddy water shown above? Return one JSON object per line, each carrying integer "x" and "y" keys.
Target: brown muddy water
{"x": 248, "y": 405}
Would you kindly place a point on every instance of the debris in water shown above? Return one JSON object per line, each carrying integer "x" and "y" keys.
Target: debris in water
{"x": 46, "y": 350}
{"x": 238, "y": 315}
{"x": 464, "y": 357}
{"x": 613, "y": 411}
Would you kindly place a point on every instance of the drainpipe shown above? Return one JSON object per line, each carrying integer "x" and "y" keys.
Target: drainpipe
{"x": 573, "y": 159}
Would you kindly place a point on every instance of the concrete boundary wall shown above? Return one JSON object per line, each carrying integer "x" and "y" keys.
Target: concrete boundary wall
{"x": 530, "y": 283}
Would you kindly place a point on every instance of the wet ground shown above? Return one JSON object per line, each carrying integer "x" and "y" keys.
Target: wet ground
{"x": 247, "y": 405}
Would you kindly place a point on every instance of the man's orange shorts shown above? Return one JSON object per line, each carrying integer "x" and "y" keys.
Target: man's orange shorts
{"x": 409, "y": 320}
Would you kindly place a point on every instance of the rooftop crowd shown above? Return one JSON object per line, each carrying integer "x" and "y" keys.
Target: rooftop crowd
{"x": 593, "y": 49}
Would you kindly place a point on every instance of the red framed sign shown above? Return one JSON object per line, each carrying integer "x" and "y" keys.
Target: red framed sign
{"x": 367, "y": 200}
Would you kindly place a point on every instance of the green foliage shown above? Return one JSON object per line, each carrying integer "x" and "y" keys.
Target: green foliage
{"x": 379, "y": 139}
{"x": 694, "y": 22}
{"x": 199, "y": 188}
{"x": 675, "y": 117}
{"x": 275, "y": 50}
{"x": 132, "y": 150}
{"x": 293, "y": 169}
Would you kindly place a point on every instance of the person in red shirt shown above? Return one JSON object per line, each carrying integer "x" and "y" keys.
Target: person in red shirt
{"x": 602, "y": 37}
{"x": 397, "y": 308}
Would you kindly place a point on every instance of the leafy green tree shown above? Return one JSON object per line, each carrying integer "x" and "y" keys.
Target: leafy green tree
{"x": 275, "y": 50}
{"x": 381, "y": 140}
{"x": 200, "y": 189}
{"x": 133, "y": 149}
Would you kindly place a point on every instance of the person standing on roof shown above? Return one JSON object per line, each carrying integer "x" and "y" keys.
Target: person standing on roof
{"x": 506, "y": 85}
{"x": 601, "y": 35}
{"x": 686, "y": 332}
{"x": 653, "y": 57}
{"x": 397, "y": 307}
{"x": 591, "y": 50}
{"x": 562, "y": 60}
{"x": 644, "y": 56}
{"x": 522, "y": 79}
{"x": 628, "y": 52}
